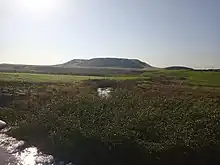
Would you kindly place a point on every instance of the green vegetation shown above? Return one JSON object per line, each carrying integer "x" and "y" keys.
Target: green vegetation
{"x": 29, "y": 77}
{"x": 159, "y": 117}
{"x": 52, "y": 78}
{"x": 197, "y": 78}
{"x": 86, "y": 71}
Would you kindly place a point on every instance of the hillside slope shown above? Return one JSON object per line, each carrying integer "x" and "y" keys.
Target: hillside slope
{"x": 106, "y": 62}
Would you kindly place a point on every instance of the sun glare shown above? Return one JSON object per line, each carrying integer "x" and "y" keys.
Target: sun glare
{"x": 40, "y": 5}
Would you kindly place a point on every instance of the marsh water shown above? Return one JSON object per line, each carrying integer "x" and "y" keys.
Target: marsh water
{"x": 11, "y": 153}
{"x": 104, "y": 92}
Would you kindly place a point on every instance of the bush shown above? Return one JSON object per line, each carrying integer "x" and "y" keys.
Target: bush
{"x": 150, "y": 125}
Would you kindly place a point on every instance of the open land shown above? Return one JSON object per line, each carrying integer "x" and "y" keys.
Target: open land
{"x": 153, "y": 117}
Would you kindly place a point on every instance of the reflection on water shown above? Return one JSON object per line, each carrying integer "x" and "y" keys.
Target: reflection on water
{"x": 31, "y": 156}
{"x": 10, "y": 144}
{"x": 27, "y": 156}
{"x": 104, "y": 92}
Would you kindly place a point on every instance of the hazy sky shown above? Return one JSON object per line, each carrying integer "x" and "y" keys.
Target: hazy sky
{"x": 160, "y": 32}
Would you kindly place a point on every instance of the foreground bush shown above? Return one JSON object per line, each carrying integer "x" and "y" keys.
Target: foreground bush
{"x": 139, "y": 125}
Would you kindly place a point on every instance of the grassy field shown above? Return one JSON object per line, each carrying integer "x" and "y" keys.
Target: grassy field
{"x": 197, "y": 78}
{"x": 53, "y": 78}
{"x": 30, "y": 77}
{"x": 159, "y": 117}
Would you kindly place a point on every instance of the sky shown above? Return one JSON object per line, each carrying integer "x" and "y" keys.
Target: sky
{"x": 159, "y": 32}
